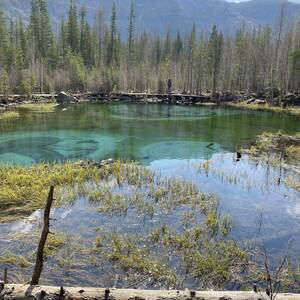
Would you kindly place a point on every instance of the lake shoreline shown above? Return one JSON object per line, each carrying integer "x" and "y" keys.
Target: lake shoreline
{"x": 13, "y": 101}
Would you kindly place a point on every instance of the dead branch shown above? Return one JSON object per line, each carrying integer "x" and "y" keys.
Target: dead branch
{"x": 40, "y": 252}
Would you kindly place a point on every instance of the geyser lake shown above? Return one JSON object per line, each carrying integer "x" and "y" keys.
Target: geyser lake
{"x": 172, "y": 140}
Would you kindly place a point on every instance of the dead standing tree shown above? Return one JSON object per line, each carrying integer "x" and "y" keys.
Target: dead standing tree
{"x": 38, "y": 268}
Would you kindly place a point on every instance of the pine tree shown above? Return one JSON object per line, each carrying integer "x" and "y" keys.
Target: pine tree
{"x": 111, "y": 49}
{"x": 4, "y": 42}
{"x": 99, "y": 28}
{"x": 190, "y": 63}
{"x": 34, "y": 29}
{"x": 45, "y": 34}
{"x": 4, "y": 83}
{"x": 130, "y": 45}
{"x": 63, "y": 39}
{"x": 72, "y": 28}
{"x": 215, "y": 51}
{"x": 85, "y": 39}
{"x": 131, "y": 31}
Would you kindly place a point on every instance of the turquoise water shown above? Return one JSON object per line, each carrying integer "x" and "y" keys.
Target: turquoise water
{"x": 140, "y": 132}
{"x": 173, "y": 141}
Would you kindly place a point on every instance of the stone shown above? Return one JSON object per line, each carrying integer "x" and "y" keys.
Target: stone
{"x": 291, "y": 99}
{"x": 259, "y": 102}
{"x": 65, "y": 98}
{"x": 105, "y": 162}
{"x": 228, "y": 97}
{"x": 269, "y": 92}
{"x": 251, "y": 100}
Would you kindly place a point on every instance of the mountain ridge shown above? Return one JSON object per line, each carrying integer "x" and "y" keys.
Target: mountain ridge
{"x": 159, "y": 15}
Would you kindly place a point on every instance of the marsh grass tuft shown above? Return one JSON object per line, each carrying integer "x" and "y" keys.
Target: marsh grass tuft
{"x": 24, "y": 189}
{"x": 7, "y": 115}
{"x": 295, "y": 111}
{"x": 192, "y": 244}
{"x": 281, "y": 151}
{"x": 11, "y": 259}
{"x": 39, "y": 107}
{"x": 54, "y": 243}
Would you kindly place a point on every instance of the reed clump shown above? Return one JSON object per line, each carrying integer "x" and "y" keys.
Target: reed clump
{"x": 10, "y": 259}
{"x": 290, "y": 110}
{"x": 8, "y": 115}
{"x": 192, "y": 246}
{"x": 24, "y": 189}
{"x": 39, "y": 107}
{"x": 279, "y": 150}
{"x": 278, "y": 146}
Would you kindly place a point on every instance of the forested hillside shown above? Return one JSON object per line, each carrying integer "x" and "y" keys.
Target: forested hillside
{"x": 93, "y": 56}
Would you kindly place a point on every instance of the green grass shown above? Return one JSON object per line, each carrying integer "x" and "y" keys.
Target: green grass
{"x": 295, "y": 111}
{"x": 54, "y": 243}
{"x": 7, "y": 115}
{"x": 282, "y": 147}
{"x": 25, "y": 189}
{"x": 39, "y": 107}
{"x": 280, "y": 150}
{"x": 11, "y": 259}
{"x": 113, "y": 190}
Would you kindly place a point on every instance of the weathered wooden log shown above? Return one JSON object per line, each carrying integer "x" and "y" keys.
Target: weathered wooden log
{"x": 5, "y": 277}
{"x": 26, "y": 292}
{"x": 46, "y": 229}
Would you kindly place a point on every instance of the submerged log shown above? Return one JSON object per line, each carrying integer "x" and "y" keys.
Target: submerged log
{"x": 27, "y": 292}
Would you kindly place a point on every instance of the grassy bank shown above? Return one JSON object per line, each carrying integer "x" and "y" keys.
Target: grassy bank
{"x": 8, "y": 115}
{"x": 39, "y": 107}
{"x": 295, "y": 111}
{"x": 281, "y": 151}
{"x": 277, "y": 148}
{"x": 27, "y": 107}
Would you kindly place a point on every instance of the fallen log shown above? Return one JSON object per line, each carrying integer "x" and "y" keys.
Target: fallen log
{"x": 27, "y": 292}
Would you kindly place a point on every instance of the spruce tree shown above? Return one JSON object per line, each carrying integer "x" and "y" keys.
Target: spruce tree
{"x": 4, "y": 42}
{"x": 131, "y": 31}
{"x": 85, "y": 38}
{"x": 215, "y": 51}
{"x": 45, "y": 34}
{"x": 72, "y": 28}
{"x": 111, "y": 50}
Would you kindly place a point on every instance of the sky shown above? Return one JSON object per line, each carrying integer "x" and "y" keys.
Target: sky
{"x": 296, "y": 1}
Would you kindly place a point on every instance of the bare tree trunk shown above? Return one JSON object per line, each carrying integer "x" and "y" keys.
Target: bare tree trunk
{"x": 40, "y": 252}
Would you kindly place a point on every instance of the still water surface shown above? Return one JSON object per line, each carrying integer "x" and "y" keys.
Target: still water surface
{"x": 172, "y": 140}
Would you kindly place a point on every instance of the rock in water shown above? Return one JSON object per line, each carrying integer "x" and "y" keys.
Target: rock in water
{"x": 65, "y": 98}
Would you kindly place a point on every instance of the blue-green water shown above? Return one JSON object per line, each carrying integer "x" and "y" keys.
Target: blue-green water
{"x": 140, "y": 132}
{"x": 173, "y": 141}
